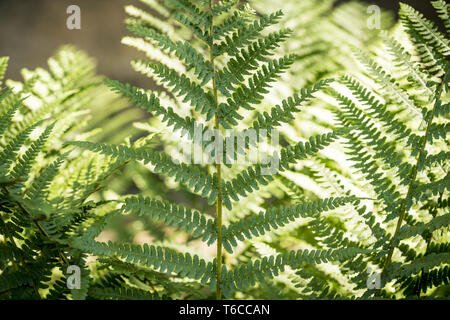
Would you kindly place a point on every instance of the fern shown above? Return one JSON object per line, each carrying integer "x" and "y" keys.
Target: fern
{"x": 397, "y": 153}
{"x": 239, "y": 72}
{"x": 34, "y": 191}
{"x": 356, "y": 184}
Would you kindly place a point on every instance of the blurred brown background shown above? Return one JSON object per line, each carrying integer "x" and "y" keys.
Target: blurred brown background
{"x": 31, "y": 30}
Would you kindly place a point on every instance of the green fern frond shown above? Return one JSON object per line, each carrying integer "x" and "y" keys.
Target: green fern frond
{"x": 159, "y": 258}
{"x": 387, "y": 82}
{"x": 83, "y": 291}
{"x": 40, "y": 185}
{"x": 244, "y": 63}
{"x": 436, "y": 223}
{"x": 245, "y": 35}
{"x": 249, "y": 180}
{"x": 284, "y": 113}
{"x": 151, "y": 103}
{"x": 223, "y": 7}
{"x": 245, "y": 95}
{"x": 426, "y": 264}
{"x": 191, "y": 175}
{"x": 182, "y": 50}
{"x": 238, "y": 19}
{"x": 181, "y": 86}
{"x": 256, "y": 225}
{"x": 444, "y": 12}
{"x": 404, "y": 60}
{"x": 23, "y": 166}
{"x": 9, "y": 153}
{"x": 377, "y": 110}
{"x": 5, "y": 120}
{"x": 172, "y": 215}
{"x": 122, "y": 293}
{"x": 3, "y": 66}
{"x": 416, "y": 23}
{"x": 247, "y": 275}
{"x": 152, "y": 278}
{"x": 13, "y": 280}
{"x": 200, "y": 18}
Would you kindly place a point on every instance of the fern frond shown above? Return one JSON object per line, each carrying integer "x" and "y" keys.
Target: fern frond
{"x": 159, "y": 258}
{"x": 82, "y": 292}
{"x": 182, "y": 86}
{"x": 387, "y": 82}
{"x": 200, "y": 18}
{"x": 238, "y": 19}
{"x": 172, "y": 215}
{"x": 122, "y": 293}
{"x": 148, "y": 276}
{"x": 141, "y": 17}
{"x": 375, "y": 139}
{"x": 434, "y": 278}
{"x": 6, "y": 118}
{"x": 415, "y": 22}
{"x": 379, "y": 111}
{"x": 436, "y": 223}
{"x": 223, "y": 7}
{"x": 246, "y": 275}
{"x": 444, "y": 12}
{"x": 249, "y": 180}
{"x": 3, "y": 66}
{"x": 22, "y": 169}
{"x": 245, "y": 95}
{"x": 439, "y": 186}
{"x": 256, "y": 225}
{"x": 383, "y": 184}
{"x": 191, "y": 24}
{"x": 40, "y": 185}
{"x": 425, "y": 263}
{"x": 404, "y": 60}
{"x": 284, "y": 113}
{"x": 436, "y": 159}
{"x": 154, "y": 5}
{"x": 13, "y": 280}
{"x": 9, "y": 153}
{"x": 151, "y": 103}
{"x": 182, "y": 50}
{"x": 191, "y": 175}
{"x": 245, "y": 35}
{"x": 244, "y": 63}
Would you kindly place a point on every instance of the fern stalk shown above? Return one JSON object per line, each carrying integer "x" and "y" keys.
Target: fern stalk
{"x": 218, "y": 166}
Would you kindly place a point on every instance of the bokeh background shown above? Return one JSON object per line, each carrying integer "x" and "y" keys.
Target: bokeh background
{"x": 31, "y": 31}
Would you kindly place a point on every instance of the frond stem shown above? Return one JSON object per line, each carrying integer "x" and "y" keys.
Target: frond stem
{"x": 219, "y": 221}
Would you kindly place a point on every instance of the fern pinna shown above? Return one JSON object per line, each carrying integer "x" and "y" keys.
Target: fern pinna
{"x": 216, "y": 62}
